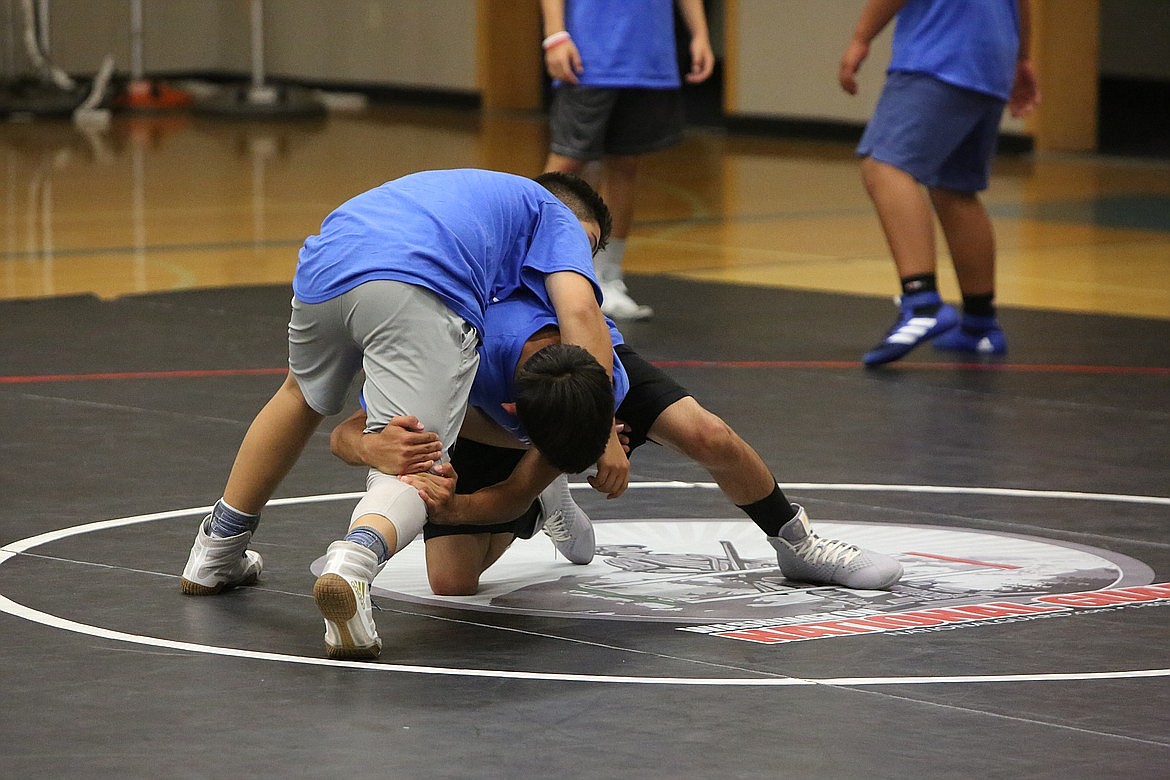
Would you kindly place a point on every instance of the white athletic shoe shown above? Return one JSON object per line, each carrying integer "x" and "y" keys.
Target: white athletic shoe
{"x": 617, "y": 303}
{"x": 565, "y": 522}
{"x": 805, "y": 557}
{"x": 342, "y": 593}
{"x": 215, "y": 564}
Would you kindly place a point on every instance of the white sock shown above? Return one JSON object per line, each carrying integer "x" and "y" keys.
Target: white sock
{"x": 608, "y": 262}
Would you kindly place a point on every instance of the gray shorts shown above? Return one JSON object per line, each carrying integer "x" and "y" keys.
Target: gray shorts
{"x": 590, "y": 122}
{"x": 418, "y": 356}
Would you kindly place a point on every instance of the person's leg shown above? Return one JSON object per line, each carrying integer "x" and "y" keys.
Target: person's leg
{"x": 744, "y": 478}
{"x": 419, "y": 359}
{"x": 560, "y": 163}
{"x": 904, "y": 215}
{"x": 219, "y": 557}
{"x": 908, "y": 225}
{"x": 577, "y": 122}
{"x": 387, "y": 518}
{"x": 618, "y": 183}
{"x": 970, "y": 238}
{"x": 456, "y": 561}
{"x": 968, "y": 229}
{"x": 642, "y": 121}
{"x": 271, "y": 447}
{"x": 703, "y": 437}
{"x": 918, "y": 125}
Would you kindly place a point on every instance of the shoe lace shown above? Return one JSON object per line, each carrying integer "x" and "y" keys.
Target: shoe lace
{"x": 829, "y": 552}
{"x": 556, "y": 527}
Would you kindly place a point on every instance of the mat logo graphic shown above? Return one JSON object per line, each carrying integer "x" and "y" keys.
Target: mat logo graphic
{"x": 720, "y": 577}
{"x": 943, "y": 618}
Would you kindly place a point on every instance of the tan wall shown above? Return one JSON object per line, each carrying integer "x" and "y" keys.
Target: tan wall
{"x": 415, "y": 43}
{"x": 780, "y": 55}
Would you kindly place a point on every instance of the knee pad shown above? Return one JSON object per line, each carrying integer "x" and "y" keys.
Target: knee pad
{"x": 396, "y": 501}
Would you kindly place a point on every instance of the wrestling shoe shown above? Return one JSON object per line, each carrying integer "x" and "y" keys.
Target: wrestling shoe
{"x": 805, "y": 557}
{"x": 976, "y": 335}
{"x": 617, "y": 303}
{"x": 565, "y": 523}
{"x": 215, "y": 564}
{"x": 342, "y": 593}
{"x": 912, "y": 329}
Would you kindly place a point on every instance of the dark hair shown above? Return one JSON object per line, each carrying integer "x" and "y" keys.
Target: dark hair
{"x": 581, "y": 199}
{"x": 564, "y": 400}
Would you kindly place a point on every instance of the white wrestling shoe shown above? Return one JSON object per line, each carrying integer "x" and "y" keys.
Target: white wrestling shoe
{"x": 805, "y": 557}
{"x": 565, "y": 522}
{"x": 617, "y": 303}
{"x": 216, "y": 564}
{"x": 342, "y": 593}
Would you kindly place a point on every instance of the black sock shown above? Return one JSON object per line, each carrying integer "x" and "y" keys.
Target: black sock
{"x": 921, "y": 283}
{"x": 979, "y": 305}
{"x": 770, "y": 513}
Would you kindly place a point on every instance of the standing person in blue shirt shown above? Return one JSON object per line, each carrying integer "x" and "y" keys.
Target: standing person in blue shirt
{"x": 955, "y": 64}
{"x": 395, "y": 286}
{"x": 618, "y": 96}
{"x": 470, "y": 525}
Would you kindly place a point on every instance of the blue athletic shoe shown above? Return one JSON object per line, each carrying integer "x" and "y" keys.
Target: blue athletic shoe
{"x": 975, "y": 335}
{"x": 912, "y": 329}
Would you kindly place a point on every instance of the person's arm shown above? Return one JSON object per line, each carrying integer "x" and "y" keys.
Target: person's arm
{"x": 579, "y": 315}
{"x": 496, "y": 503}
{"x": 478, "y": 427}
{"x": 561, "y": 58}
{"x": 874, "y": 18}
{"x": 402, "y": 447}
{"x": 1026, "y": 88}
{"x": 581, "y": 323}
{"x": 702, "y": 56}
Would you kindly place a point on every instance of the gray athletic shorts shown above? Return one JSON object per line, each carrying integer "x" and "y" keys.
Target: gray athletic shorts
{"x": 418, "y": 356}
{"x": 590, "y": 122}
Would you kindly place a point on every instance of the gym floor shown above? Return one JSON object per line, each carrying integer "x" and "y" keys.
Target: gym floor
{"x": 144, "y": 288}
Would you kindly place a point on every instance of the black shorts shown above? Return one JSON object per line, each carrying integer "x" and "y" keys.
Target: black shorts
{"x": 652, "y": 390}
{"x": 479, "y": 466}
{"x": 588, "y": 123}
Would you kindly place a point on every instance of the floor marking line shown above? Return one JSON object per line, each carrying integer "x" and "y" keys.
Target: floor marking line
{"x": 36, "y": 616}
{"x": 16, "y": 609}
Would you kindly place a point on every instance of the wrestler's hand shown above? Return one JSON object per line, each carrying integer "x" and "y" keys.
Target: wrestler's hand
{"x": 1025, "y": 91}
{"x": 402, "y": 447}
{"x": 702, "y": 60}
{"x": 855, "y": 54}
{"x": 613, "y": 470}
{"x": 563, "y": 62}
{"x": 437, "y": 490}
{"x": 623, "y": 433}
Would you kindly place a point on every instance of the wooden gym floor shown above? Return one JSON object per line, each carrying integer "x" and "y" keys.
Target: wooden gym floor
{"x": 144, "y": 285}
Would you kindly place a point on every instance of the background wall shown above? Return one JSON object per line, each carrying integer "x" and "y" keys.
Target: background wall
{"x": 781, "y": 54}
{"x": 787, "y": 60}
{"x": 427, "y": 44}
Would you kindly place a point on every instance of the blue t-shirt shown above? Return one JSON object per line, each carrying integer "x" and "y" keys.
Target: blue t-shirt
{"x": 971, "y": 44}
{"x": 625, "y": 43}
{"x": 466, "y": 235}
{"x": 510, "y": 323}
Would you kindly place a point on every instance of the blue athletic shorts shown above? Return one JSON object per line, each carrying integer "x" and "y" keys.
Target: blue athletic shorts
{"x": 944, "y": 136}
